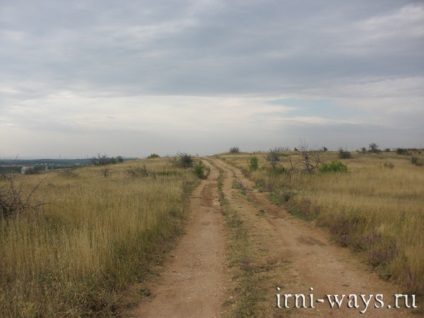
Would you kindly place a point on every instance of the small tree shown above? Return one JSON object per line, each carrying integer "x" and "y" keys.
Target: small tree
{"x": 234, "y": 150}
{"x": 309, "y": 159}
{"x": 373, "y": 147}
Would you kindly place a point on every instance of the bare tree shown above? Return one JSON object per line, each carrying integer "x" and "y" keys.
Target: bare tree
{"x": 273, "y": 157}
{"x": 13, "y": 200}
{"x": 310, "y": 159}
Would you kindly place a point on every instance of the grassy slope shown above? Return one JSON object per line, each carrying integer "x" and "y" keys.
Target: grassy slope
{"x": 376, "y": 208}
{"x": 75, "y": 255}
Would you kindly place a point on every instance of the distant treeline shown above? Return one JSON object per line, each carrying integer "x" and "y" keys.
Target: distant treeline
{"x": 43, "y": 162}
{"x": 37, "y": 165}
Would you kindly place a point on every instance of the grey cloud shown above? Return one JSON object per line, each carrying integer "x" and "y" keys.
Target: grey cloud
{"x": 365, "y": 55}
{"x": 170, "y": 48}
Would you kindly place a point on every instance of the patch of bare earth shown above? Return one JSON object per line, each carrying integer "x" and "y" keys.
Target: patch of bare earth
{"x": 194, "y": 281}
{"x": 298, "y": 258}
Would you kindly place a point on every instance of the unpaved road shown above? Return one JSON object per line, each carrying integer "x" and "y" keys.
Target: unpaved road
{"x": 194, "y": 283}
{"x": 298, "y": 258}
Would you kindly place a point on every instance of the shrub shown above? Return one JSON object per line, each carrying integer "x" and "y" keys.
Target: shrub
{"x": 344, "y": 154}
{"x": 333, "y": 166}
{"x": 199, "y": 170}
{"x": 415, "y": 160}
{"x": 234, "y": 150}
{"x": 153, "y": 156}
{"x": 273, "y": 158}
{"x": 184, "y": 160}
{"x": 138, "y": 172}
{"x": 106, "y": 172}
{"x": 402, "y": 151}
{"x": 105, "y": 160}
{"x": 253, "y": 163}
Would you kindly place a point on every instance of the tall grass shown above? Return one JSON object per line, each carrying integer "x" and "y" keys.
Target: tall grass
{"x": 73, "y": 256}
{"x": 377, "y": 208}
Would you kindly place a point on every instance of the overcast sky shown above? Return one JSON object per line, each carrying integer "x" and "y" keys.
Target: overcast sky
{"x": 130, "y": 78}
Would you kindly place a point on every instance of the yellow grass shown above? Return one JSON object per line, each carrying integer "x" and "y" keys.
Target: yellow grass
{"x": 95, "y": 236}
{"x": 373, "y": 208}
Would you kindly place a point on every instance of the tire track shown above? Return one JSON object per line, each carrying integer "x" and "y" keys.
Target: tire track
{"x": 296, "y": 256}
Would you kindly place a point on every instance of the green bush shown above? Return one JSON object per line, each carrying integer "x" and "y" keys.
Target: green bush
{"x": 138, "y": 172}
{"x": 333, "y": 166}
{"x": 153, "y": 156}
{"x": 253, "y": 163}
{"x": 199, "y": 169}
{"x": 344, "y": 154}
{"x": 184, "y": 160}
{"x": 402, "y": 151}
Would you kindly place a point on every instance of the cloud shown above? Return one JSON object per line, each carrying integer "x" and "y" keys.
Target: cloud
{"x": 217, "y": 68}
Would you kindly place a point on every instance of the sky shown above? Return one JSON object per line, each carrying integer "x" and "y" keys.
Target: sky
{"x": 131, "y": 78}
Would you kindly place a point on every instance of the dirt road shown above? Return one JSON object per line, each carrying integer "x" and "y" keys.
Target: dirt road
{"x": 288, "y": 255}
{"x": 194, "y": 283}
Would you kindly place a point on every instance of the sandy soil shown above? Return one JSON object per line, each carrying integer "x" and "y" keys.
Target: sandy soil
{"x": 300, "y": 259}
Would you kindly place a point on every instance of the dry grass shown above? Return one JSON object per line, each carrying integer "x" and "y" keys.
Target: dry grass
{"x": 376, "y": 208}
{"x": 96, "y": 236}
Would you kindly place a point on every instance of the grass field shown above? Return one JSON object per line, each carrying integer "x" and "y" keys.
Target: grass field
{"x": 376, "y": 207}
{"x": 99, "y": 231}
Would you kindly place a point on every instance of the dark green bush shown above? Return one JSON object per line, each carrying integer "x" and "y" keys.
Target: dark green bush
{"x": 234, "y": 150}
{"x": 402, "y": 151}
{"x": 153, "y": 156}
{"x": 199, "y": 169}
{"x": 344, "y": 154}
{"x": 183, "y": 160}
{"x": 253, "y": 163}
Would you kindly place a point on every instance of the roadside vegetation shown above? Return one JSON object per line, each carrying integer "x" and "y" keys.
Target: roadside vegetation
{"x": 78, "y": 238}
{"x": 371, "y": 201}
